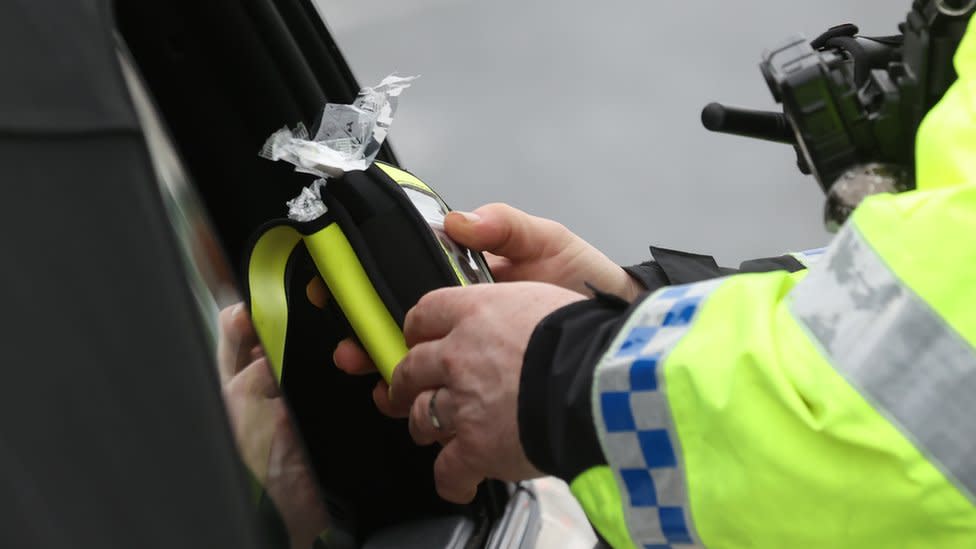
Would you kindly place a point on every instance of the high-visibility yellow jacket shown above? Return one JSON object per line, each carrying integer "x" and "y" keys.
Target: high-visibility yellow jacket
{"x": 829, "y": 408}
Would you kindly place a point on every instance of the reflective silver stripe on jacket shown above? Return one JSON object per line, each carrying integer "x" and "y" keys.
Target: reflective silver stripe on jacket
{"x": 634, "y": 423}
{"x": 898, "y": 352}
{"x": 809, "y": 258}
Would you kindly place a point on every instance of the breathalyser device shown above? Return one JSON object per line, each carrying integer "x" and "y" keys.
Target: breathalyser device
{"x": 379, "y": 247}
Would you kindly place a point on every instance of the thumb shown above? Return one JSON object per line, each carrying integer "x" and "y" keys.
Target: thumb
{"x": 499, "y": 229}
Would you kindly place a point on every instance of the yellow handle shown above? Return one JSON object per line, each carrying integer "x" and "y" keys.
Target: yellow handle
{"x": 350, "y": 287}
{"x": 269, "y": 296}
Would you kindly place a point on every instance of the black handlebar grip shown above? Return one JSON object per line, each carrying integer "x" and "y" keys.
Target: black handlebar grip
{"x": 765, "y": 125}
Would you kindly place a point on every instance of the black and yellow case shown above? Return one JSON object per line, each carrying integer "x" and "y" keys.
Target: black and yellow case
{"x": 379, "y": 248}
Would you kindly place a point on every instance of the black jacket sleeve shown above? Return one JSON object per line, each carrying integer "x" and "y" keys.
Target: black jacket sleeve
{"x": 555, "y": 420}
{"x": 554, "y": 410}
{"x": 669, "y": 267}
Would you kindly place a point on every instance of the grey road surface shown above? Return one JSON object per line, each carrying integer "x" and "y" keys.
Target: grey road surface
{"x": 588, "y": 112}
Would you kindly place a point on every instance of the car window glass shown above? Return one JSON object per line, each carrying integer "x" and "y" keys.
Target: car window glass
{"x": 285, "y": 490}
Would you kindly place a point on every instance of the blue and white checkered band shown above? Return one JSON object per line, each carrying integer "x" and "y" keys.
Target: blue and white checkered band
{"x": 809, "y": 258}
{"x": 634, "y": 422}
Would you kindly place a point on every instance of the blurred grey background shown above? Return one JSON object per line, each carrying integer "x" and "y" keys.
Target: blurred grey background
{"x": 588, "y": 112}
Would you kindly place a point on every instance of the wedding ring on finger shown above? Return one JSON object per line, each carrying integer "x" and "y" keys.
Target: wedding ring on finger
{"x": 432, "y": 410}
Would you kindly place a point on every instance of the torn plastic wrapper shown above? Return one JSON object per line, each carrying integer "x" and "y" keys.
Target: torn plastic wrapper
{"x": 308, "y": 205}
{"x": 349, "y": 138}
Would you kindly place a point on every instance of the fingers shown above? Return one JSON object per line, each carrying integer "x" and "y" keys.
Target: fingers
{"x": 456, "y": 480}
{"x": 437, "y": 312}
{"x": 237, "y": 341}
{"x": 254, "y": 380}
{"x": 381, "y": 396}
{"x": 499, "y": 266}
{"x": 423, "y": 368}
{"x": 317, "y": 292}
{"x": 423, "y": 412}
{"x": 352, "y": 359}
{"x": 497, "y": 228}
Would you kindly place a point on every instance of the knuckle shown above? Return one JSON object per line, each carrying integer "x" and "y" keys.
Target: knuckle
{"x": 445, "y": 467}
{"x": 383, "y": 403}
{"x": 403, "y": 393}
{"x": 412, "y": 427}
{"x": 417, "y": 412}
{"x": 554, "y": 227}
{"x": 281, "y": 419}
{"x": 418, "y": 314}
{"x": 504, "y": 208}
{"x": 453, "y": 362}
{"x": 418, "y": 417}
{"x": 451, "y": 477}
{"x": 235, "y": 388}
{"x": 255, "y": 378}
{"x": 472, "y": 318}
{"x": 478, "y": 310}
{"x": 435, "y": 300}
{"x": 403, "y": 373}
{"x": 426, "y": 302}
{"x": 225, "y": 318}
{"x": 410, "y": 319}
{"x": 262, "y": 369}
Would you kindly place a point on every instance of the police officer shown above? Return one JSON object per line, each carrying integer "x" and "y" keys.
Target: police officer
{"x": 832, "y": 407}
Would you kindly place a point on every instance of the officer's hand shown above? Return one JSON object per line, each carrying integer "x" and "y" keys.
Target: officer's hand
{"x": 266, "y": 438}
{"x": 520, "y": 246}
{"x": 467, "y": 345}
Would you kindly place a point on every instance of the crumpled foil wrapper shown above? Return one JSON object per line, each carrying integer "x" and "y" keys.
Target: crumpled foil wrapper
{"x": 348, "y": 139}
{"x": 308, "y": 205}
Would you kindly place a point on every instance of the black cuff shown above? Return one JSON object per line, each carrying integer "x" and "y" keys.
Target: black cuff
{"x": 554, "y": 405}
{"x": 686, "y": 267}
{"x": 767, "y": 264}
{"x": 671, "y": 267}
{"x": 650, "y": 274}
